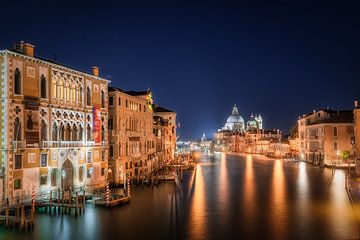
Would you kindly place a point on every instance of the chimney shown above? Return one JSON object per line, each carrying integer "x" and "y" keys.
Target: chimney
{"x": 25, "y": 48}
{"x": 356, "y": 103}
{"x": 95, "y": 71}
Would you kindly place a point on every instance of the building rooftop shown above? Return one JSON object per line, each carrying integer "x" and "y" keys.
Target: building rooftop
{"x": 162, "y": 109}
{"x": 333, "y": 116}
{"x": 53, "y": 62}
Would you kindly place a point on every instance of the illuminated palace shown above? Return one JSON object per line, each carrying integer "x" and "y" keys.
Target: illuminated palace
{"x": 53, "y": 123}
{"x": 236, "y": 136}
{"x": 142, "y": 135}
{"x": 131, "y": 133}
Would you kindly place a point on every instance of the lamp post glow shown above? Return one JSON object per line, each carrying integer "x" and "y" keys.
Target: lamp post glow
{"x": 338, "y": 154}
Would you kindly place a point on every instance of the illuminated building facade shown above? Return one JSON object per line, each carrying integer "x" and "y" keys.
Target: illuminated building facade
{"x": 53, "y": 122}
{"x": 324, "y": 135}
{"x": 169, "y": 132}
{"x": 131, "y": 141}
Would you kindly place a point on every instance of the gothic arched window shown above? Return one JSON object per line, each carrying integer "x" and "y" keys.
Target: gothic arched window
{"x": 102, "y": 133}
{"x": 43, "y": 84}
{"x": 17, "y": 81}
{"x": 62, "y": 132}
{"x": 88, "y": 134}
{"x": 80, "y": 133}
{"x": 54, "y": 132}
{"x": 88, "y": 96}
{"x": 68, "y": 132}
{"x": 102, "y": 99}
{"x": 43, "y": 131}
{"x": 17, "y": 129}
{"x": 75, "y": 134}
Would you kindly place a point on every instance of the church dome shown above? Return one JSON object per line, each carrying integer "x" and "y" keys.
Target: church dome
{"x": 235, "y": 121}
{"x": 252, "y": 123}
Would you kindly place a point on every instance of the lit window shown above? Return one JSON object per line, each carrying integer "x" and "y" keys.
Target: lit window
{"x": 18, "y": 162}
{"x": 17, "y": 184}
{"x": 43, "y": 180}
{"x": 43, "y": 84}
{"x": 17, "y": 81}
{"x": 44, "y": 159}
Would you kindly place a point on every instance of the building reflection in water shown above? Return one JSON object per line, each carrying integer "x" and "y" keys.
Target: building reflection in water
{"x": 223, "y": 188}
{"x": 249, "y": 188}
{"x": 278, "y": 195}
{"x": 197, "y": 225}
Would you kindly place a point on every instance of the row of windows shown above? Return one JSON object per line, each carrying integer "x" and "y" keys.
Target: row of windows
{"x": 132, "y": 148}
{"x": 60, "y": 133}
{"x": 44, "y": 159}
{"x": 128, "y": 104}
{"x": 70, "y": 92}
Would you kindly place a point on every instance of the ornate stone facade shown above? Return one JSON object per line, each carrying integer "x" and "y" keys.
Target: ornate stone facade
{"x": 54, "y": 125}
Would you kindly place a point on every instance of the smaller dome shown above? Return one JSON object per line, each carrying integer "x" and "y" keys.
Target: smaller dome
{"x": 252, "y": 123}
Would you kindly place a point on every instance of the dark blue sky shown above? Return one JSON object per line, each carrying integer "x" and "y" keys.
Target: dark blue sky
{"x": 277, "y": 58}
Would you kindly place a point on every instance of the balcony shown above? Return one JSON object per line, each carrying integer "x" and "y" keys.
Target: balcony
{"x": 18, "y": 144}
{"x": 49, "y": 144}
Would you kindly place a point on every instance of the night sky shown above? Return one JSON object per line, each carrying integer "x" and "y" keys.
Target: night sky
{"x": 279, "y": 59}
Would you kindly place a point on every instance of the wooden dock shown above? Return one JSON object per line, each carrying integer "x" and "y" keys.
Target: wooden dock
{"x": 114, "y": 201}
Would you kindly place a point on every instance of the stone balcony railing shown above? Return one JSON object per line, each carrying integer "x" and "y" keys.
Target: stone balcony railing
{"x": 18, "y": 144}
{"x": 49, "y": 144}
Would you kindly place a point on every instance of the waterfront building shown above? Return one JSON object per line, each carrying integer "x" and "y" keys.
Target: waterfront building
{"x": 131, "y": 140}
{"x": 325, "y": 135}
{"x": 279, "y": 149}
{"x": 258, "y": 140}
{"x": 168, "y": 127}
{"x": 53, "y": 124}
{"x": 252, "y": 138}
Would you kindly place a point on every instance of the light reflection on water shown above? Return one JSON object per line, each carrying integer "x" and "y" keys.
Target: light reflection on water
{"x": 227, "y": 197}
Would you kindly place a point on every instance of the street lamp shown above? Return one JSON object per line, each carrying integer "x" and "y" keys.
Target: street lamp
{"x": 338, "y": 154}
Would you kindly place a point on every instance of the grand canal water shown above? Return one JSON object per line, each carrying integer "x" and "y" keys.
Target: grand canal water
{"x": 227, "y": 197}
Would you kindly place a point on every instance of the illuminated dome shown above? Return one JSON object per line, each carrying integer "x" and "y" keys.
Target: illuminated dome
{"x": 235, "y": 121}
{"x": 255, "y": 122}
{"x": 252, "y": 123}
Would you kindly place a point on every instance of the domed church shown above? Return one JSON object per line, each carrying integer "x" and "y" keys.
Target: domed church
{"x": 235, "y": 122}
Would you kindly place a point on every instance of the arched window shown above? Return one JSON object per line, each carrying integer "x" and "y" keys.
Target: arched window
{"x": 80, "y": 133}
{"x": 43, "y": 131}
{"x": 43, "y": 84}
{"x": 61, "y": 90}
{"x": 73, "y": 93}
{"x": 17, "y": 129}
{"x": 102, "y": 99}
{"x": 17, "y": 81}
{"x": 75, "y": 133}
{"x": 68, "y": 132}
{"x": 102, "y": 133}
{"x": 54, "y": 132}
{"x": 88, "y": 134}
{"x": 54, "y": 89}
{"x": 81, "y": 95}
{"x": 67, "y": 91}
{"x": 62, "y": 132}
{"x": 88, "y": 96}
{"x": 111, "y": 151}
{"x": 77, "y": 97}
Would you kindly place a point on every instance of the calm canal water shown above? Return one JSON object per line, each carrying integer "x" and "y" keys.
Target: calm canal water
{"x": 227, "y": 197}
